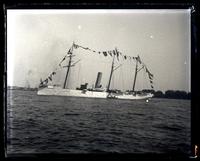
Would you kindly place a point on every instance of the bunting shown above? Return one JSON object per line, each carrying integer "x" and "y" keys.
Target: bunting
{"x": 117, "y": 53}
{"x": 150, "y": 76}
{"x": 111, "y": 53}
{"x": 125, "y": 57}
{"x": 104, "y": 53}
{"x": 45, "y": 81}
{"x": 138, "y": 59}
{"x": 75, "y": 46}
{"x": 62, "y": 61}
{"x": 114, "y": 52}
{"x": 49, "y": 78}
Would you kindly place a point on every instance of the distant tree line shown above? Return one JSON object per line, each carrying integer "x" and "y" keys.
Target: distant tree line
{"x": 175, "y": 94}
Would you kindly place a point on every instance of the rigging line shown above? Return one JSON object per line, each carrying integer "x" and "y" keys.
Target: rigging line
{"x": 143, "y": 79}
{"x": 122, "y": 77}
{"x": 49, "y": 75}
{"x": 67, "y": 55}
{"x": 117, "y": 67}
{"x": 113, "y": 81}
{"x": 86, "y": 48}
{"x": 147, "y": 79}
{"x": 146, "y": 69}
{"x": 131, "y": 76}
{"x": 73, "y": 64}
{"x": 53, "y": 73}
{"x": 70, "y": 81}
{"x": 119, "y": 53}
{"x": 140, "y": 68}
{"x": 78, "y": 77}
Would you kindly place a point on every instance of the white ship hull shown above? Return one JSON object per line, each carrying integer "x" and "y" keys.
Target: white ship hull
{"x": 70, "y": 92}
{"x": 134, "y": 97}
{"x": 57, "y": 91}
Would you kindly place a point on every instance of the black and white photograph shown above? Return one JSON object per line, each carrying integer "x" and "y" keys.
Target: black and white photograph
{"x": 98, "y": 81}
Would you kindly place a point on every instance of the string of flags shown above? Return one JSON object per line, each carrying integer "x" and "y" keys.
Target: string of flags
{"x": 110, "y": 53}
{"x": 117, "y": 53}
{"x": 48, "y": 78}
{"x": 150, "y": 77}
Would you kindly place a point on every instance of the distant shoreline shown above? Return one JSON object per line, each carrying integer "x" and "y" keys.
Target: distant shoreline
{"x": 21, "y": 88}
{"x": 170, "y": 94}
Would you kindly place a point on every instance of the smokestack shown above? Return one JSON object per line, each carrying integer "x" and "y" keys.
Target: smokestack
{"x": 98, "y": 81}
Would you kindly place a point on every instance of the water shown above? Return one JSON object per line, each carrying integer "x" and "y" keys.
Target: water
{"x": 51, "y": 124}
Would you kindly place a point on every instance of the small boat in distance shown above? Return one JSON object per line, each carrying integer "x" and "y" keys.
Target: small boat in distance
{"x": 97, "y": 91}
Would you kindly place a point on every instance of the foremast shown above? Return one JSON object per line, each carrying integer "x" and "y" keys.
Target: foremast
{"x": 70, "y": 53}
{"x": 111, "y": 73}
{"x": 136, "y": 71}
{"x": 112, "y": 70}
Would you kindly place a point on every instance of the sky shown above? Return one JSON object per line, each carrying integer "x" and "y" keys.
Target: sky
{"x": 37, "y": 40}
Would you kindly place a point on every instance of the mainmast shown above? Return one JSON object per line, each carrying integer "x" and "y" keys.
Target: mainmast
{"x": 69, "y": 64}
{"x": 111, "y": 72}
{"x": 136, "y": 71}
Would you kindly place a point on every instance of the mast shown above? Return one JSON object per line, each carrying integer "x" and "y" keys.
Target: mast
{"x": 111, "y": 72}
{"x": 136, "y": 71}
{"x": 69, "y": 64}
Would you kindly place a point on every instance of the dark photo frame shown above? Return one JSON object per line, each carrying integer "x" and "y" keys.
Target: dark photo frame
{"x": 192, "y": 94}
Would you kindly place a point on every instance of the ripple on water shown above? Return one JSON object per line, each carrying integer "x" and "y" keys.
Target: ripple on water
{"x": 72, "y": 125}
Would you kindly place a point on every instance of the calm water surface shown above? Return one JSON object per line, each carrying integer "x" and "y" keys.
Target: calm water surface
{"x": 51, "y": 124}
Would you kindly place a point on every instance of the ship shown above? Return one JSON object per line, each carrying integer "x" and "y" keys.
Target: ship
{"x": 97, "y": 91}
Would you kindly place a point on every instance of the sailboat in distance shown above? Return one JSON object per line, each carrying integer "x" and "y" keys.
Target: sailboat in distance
{"x": 97, "y": 91}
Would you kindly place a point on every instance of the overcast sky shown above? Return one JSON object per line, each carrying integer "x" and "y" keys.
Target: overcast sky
{"x": 38, "y": 40}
